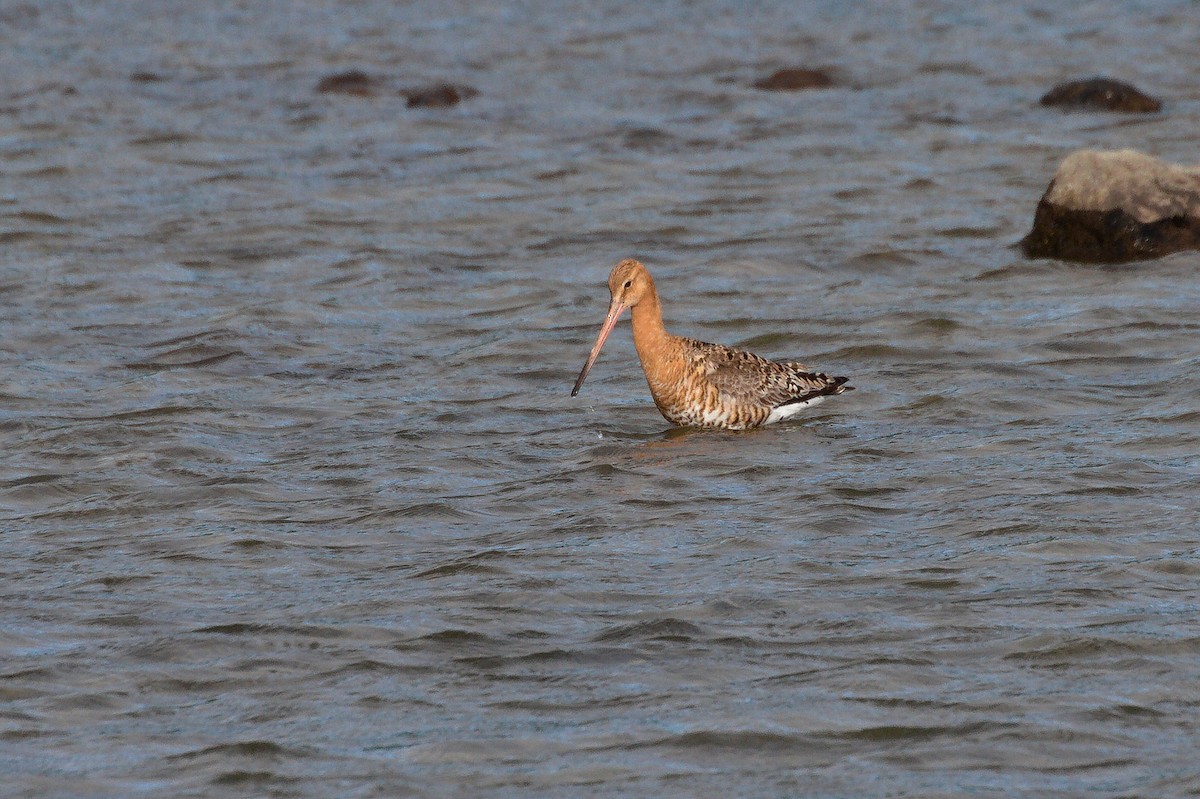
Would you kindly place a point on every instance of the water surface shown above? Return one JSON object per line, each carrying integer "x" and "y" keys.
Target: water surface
{"x": 295, "y": 501}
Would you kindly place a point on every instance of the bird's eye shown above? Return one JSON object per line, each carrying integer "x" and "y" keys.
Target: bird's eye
{"x": 628, "y": 283}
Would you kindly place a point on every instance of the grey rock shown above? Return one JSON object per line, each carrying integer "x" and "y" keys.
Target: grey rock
{"x": 1116, "y": 206}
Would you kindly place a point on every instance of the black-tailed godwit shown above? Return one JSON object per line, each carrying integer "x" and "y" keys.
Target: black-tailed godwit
{"x": 697, "y": 384}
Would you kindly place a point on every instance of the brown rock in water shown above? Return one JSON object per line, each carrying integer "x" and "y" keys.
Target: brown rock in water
{"x": 1101, "y": 94}
{"x": 791, "y": 80}
{"x": 442, "y": 96}
{"x": 1116, "y": 206}
{"x": 354, "y": 82}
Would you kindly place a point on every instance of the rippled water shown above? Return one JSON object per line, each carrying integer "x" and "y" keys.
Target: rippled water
{"x": 295, "y": 501}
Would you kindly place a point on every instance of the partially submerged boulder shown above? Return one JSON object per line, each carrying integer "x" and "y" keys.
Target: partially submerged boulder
{"x": 794, "y": 79}
{"x": 357, "y": 83}
{"x": 1101, "y": 94}
{"x": 442, "y": 95}
{"x": 1116, "y": 206}
{"x": 354, "y": 82}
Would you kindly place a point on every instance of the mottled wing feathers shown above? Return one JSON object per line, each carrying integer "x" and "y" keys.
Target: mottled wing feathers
{"x": 815, "y": 384}
{"x": 748, "y": 379}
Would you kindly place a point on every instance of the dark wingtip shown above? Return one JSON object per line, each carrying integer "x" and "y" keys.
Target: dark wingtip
{"x": 834, "y": 386}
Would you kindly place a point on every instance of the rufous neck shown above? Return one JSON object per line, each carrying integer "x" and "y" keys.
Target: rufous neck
{"x": 649, "y": 334}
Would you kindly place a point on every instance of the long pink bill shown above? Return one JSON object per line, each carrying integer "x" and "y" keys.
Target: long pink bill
{"x": 614, "y": 313}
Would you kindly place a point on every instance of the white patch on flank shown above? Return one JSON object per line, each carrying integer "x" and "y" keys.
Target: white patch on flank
{"x": 791, "y": 409}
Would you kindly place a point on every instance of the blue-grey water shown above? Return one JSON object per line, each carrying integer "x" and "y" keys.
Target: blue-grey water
{"x": 294, "y": 501}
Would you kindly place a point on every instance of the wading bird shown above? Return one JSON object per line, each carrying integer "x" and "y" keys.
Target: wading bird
{"x": 697, "y": 384}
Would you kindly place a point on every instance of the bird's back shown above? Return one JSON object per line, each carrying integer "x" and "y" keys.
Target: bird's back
{"x": 720, "y": 386}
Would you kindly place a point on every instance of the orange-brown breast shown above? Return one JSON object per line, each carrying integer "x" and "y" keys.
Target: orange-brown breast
{"x": 678, "y": 372}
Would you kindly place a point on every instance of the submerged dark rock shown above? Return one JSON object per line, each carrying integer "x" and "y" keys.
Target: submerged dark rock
{"x": 794, "y": 79}
{"x": 1114, "y": 207}
{"x": 650, "y": 140}
{"x": 357, "y": 83}
{"x": 354, "y": 82}
{"x": 1101, "y": 94}
{"x": 440, "y": 96}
